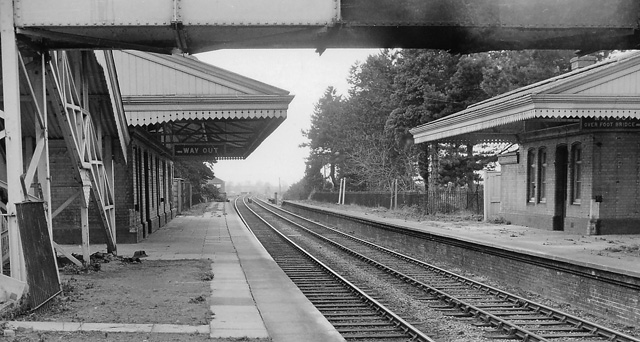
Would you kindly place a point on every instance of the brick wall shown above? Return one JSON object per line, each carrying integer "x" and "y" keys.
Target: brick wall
{"x": 127, "y": 218}
{"x": 149, "y": 202}
{"x": 610, "y": 169}
{"x": 132, "y": 222}
{"x": 598, "y": 291}
{"x": 616, "y": 170}
{"x": 67, "y": 225}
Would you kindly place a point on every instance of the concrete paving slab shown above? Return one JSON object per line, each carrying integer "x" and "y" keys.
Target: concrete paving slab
{"x": 287, "y": 313}
{"x": 226, "y": 257}
{"x": 180, "y": 329}
{"x": 250, "y": 296}
{"x": 236, "y": 321}
{"x": 227, "y": 300}
{"x": 110, "y": 327}
{"x": 238, "y": 333}
{"x": 231, "y": 289}
{"x": 115, "y": 327}
{"x": 236, "y": 317}
{"x": 46, "y": 326}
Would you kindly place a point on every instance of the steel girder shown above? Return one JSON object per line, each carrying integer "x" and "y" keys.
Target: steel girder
{"x": 458, "y": 25}
{"x": 83, "y": 137}
{"x": 49, "y": 81}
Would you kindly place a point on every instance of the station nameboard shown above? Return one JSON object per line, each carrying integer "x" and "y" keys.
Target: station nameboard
{"x": 197, "y": 150}
{"x": 610, "y": 123}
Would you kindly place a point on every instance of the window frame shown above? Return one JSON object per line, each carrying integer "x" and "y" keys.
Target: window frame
{"x": 542, "y": 175}
{"x": 576, "y": 173}
{"x": 531, "y": 176}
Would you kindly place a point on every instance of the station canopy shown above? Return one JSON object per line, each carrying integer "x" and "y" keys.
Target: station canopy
{"x": 603, "y": 95}
{"x": 196, "y": 110}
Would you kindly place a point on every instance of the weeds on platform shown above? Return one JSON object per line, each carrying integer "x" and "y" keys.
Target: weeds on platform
{"x": 207, "y": 276}
{"x": 631, "y": 249}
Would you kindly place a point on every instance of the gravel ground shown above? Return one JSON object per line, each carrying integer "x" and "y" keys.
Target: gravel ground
{"x": 417, "y": 312}
{"x": 151, "y": 291}
{"x": 431, "y": 321}
{"x": 626, "y": 246}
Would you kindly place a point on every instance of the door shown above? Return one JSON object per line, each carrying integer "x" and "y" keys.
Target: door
{"x": 560, "y": 196}
{"x": 492, "y": 195}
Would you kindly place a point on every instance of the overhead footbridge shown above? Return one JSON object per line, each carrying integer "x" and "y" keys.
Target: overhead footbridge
{"x": 193, "y": 26}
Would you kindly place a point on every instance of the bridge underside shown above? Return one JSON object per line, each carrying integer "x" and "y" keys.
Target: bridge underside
{"x": 456, "y": 25}
{"x": 455, "y": 39}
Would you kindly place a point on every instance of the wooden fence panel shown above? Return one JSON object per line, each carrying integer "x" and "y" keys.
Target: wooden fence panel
{"x": 42, "y": 273}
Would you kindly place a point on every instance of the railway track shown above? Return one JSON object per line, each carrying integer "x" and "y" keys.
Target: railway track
{"x": 357, "y": 315}
{"x": 511, "y": 316}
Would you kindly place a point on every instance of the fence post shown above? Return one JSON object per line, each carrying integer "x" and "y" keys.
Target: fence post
{"x": 395, "y": 198}
{"x": 391, "y": 197}
{"x": 485, "y": 209}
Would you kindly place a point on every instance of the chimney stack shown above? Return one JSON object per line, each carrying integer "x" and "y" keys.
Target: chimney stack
{"x": 582, "y": 61}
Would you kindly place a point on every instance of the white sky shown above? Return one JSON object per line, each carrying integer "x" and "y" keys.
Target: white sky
{"x": 304, "y": 74}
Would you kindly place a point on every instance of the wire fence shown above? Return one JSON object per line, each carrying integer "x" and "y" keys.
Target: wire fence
{"x": 432, "y": 202}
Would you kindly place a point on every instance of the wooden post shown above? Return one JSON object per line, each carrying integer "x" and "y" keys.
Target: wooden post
{"x": 13, "y": 138}
{"x": 41, "y": 132}
{"x": 395, "y": 195}
{"x": 487, "y": 197}
{"x": 84, "y": 217}
{"x": 108, "y": 166}
{"x": 391, "y": 197}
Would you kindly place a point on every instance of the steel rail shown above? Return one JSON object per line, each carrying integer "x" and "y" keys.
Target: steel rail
{"x": 494, "y": 251}
{"x": 410, "y": 330}
{"x": 578, "y": 323}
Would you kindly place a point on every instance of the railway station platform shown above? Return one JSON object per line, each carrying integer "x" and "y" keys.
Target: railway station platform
{"x": 613, "y": 253}
{"x": 251, "y": 297}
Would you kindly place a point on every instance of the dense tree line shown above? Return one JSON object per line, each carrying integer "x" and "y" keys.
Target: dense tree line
{"x": 198, "y": 174}
{"x": 364, "y": 136}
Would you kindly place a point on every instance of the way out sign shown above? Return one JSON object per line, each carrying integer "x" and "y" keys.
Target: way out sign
{"x": 196, "y": 150}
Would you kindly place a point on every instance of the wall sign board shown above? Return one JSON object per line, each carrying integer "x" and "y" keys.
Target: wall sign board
{"x": 610, "y": 124}
{"x": 197, "y": 150}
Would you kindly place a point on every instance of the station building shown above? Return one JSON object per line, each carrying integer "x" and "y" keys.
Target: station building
{"x": 577, "y": 163}
{"x": 177, "y": 109}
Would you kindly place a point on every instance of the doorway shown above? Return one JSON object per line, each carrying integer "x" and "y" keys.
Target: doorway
{"x": 147, "y": 191}
{"x": 560, "y": 195}
{"x": 140, "y": 191}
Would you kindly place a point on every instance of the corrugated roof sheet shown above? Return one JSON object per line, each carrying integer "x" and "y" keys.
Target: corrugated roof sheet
{"x": 180, "y": 100}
